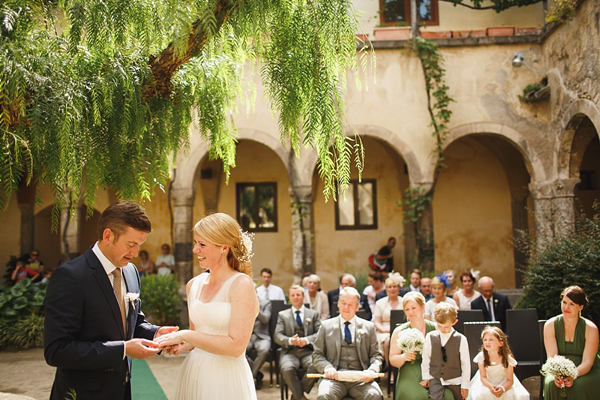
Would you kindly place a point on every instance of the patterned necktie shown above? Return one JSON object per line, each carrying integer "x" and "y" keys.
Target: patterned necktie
{"x": 347, "y": 334}
{"x": 298, "y": 319}
{"x": 119, "y": 293}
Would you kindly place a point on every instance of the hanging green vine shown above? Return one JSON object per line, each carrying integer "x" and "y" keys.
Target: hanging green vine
{"x": 438, "y": 99}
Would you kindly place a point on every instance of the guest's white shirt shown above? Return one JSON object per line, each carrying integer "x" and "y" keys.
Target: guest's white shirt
{"x": 465, "y": 362}
{"x": 168, "y": 259}
{"x": 352, "y": 327}
{"x": 272, "y": 292}
{"x": 430, "y": 306}
{"x": 294, "y": 309}
{"x": 413, "y": 289}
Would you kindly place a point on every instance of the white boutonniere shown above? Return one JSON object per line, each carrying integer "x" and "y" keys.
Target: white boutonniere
{"x": 361, "y": 332}
{"x": 132, "y": 297}
{"x": 495, "y": 302}
{"x": 308, "y": 320}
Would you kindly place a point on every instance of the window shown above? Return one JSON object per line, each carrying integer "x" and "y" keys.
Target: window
{"x": 359, "y": 209}
{"x": 257, "y": 206}
{"x": 394, "y": 12}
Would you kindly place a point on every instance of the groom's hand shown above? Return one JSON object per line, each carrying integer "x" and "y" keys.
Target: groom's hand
{"x": 141, "y": 348}
{"x": 163, "y": 330}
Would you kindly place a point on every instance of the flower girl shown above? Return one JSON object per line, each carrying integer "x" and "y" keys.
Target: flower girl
{"x": 495, "y": 378}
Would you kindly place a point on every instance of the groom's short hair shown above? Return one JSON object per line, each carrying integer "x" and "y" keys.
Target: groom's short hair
{"x": 117, "y": 217}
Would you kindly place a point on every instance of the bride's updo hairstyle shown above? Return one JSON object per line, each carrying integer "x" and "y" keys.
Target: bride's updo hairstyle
{"x": 222, "y": 230}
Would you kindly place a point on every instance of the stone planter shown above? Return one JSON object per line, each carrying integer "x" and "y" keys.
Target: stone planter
{"x": 392, "y": 33}
{"x": 501, "y": 31}
{"x": 436, "y": 34}
{"x": 536, "y": 30}
{"x": 471, "y": 33}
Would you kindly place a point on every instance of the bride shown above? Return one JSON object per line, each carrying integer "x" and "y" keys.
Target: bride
{"x": 222, "y": 307}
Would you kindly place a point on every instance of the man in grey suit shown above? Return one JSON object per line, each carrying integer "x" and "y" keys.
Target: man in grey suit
{"x": 347, "y": 343}
{"x": 260, "y": 341}
{"x": 295, "y": 332}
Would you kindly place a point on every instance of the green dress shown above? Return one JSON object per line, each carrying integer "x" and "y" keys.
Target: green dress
{"x": 585, "y": 387}
{"x": 409, "y": 377}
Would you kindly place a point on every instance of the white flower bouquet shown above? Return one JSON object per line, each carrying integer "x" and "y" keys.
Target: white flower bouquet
{"x": 559, "y": 366}
{"x": 411, "y": 340}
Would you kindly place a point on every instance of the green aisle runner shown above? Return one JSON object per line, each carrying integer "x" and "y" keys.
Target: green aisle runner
{"x": 143, "y": 383}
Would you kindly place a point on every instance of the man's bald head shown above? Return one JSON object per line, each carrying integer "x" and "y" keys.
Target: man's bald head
{"x": 486, "y": 287}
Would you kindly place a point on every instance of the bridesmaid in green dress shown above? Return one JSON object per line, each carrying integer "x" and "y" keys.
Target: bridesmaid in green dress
{"x": 576, "y": 338}
{"x": 409, "y": 374}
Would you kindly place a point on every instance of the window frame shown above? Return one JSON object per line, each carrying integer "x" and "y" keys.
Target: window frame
{"x": 435, "y": 20}
{"x": 354, "y": 186}
{"x": 241, "y": 185}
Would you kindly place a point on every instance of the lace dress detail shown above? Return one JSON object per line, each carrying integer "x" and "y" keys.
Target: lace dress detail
{"x": 496, "y": 374}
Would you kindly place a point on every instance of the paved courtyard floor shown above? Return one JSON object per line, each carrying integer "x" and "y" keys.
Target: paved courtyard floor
{"x": 24, "y": 375}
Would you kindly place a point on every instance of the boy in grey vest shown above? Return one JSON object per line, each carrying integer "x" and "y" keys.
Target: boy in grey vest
{"x": 446, "y": 362}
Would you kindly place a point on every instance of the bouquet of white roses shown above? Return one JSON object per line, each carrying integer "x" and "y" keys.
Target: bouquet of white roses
{"x": 411, "y": 340}
{"x": 559, "y": 366}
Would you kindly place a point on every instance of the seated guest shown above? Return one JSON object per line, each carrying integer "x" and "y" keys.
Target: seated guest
{"x": 34, "y": 261}
{"x": 22, "y": 271}
{"x": 446, "y": 360}
{"x": 576, "y": 338}
{"x": 494, "y": 305}
{"x": 451, "y": 286}
{"x": 268, "y": 291}
{"x": 426, "y": 288}
{"x": 376, "y": 286}
{"x": 347, "y": 280}
{"x": 347, "y": 343}
{"x": 383, "y": 309}
{"x": 467, "y": 294}
{"x": 315, "y": 297}
{"x": 415, "y": 282}
{"x": 260, "y": 341}
{"x": 165, "y": 263}
{"x": 295, "y": 332}
{"x": 145, "y": 266}
{"x": 439, "y": 296}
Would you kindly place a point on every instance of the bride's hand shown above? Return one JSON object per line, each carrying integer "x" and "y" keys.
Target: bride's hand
{"x": 170, "y": 339}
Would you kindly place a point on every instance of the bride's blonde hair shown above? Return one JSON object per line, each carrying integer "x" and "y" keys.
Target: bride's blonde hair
{"x": 222, "y": 230}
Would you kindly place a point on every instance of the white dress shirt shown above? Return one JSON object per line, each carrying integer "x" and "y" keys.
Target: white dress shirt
{"x": 352, "y": 327}
{"x": 465, "y": 362}
{"x": 272, "y": 292}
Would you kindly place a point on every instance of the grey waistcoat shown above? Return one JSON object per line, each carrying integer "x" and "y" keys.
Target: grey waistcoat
{"x": 437, "y": 367}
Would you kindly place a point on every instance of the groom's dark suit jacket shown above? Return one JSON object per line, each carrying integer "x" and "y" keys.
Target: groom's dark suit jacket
{"x": 83, "y": 332}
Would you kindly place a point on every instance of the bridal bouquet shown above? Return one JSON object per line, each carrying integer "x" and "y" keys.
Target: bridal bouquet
{"x": 559, "y": 366}
{"x": 411, "y": 340}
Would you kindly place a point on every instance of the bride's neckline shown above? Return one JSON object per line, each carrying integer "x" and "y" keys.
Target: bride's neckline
{"x": 206, "y": 282}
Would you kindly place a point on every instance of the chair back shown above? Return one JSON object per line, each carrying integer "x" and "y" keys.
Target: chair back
{"x": 541, "y": 323}
{"x": 467, "y": 316}
{"x": 472, "y": 331}
{"x": 361, "y": 314}
{"x": 522, "y": 328}
{"x": 397, "y": 317}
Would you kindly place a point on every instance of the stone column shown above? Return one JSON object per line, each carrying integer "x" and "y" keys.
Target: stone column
{"x": 303, "y": 249}
{"x": 69, "y": 232}
{"x": 183, "y": 203}
{"x": 520, "y": 223}
{"x": 27, "y": 227}
{"x": 554, "y": 208}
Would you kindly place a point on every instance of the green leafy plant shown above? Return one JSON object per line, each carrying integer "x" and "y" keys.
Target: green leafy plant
{"x": 561, "y": 11}
{"x": 21, "y": 318}
{"x": 572, "y": 259}
{"x": 160, "y": 299}
{"x": 532, "y": 87}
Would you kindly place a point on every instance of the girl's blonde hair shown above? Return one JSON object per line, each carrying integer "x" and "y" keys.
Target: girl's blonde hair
{"x": 222, "y": 230}
{"x": 504, "y": 350}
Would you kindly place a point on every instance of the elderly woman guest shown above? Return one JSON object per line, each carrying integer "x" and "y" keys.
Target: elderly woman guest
{"x": 438, "y": 289}
{"x": 467, "y": 294}
{"x": 576, "y": 338}
{"x": 408, "y": 385}
{"x": 315, "y": 297}
{"x": 383, "y": 309}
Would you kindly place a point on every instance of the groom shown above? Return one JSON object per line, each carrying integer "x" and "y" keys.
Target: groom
{"x": 94, "y": 325}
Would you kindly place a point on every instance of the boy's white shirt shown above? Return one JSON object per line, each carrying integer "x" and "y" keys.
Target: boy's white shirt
{"x": 465, "y": 363}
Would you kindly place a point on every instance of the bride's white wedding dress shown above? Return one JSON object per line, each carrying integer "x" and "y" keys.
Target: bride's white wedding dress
{"x": 208, "y": 376}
